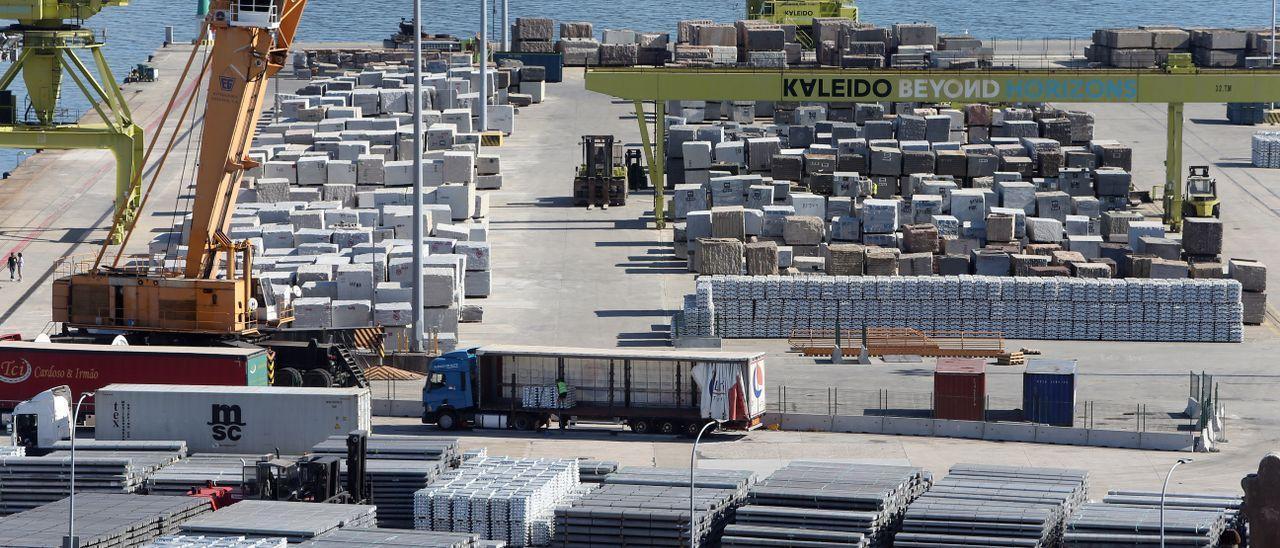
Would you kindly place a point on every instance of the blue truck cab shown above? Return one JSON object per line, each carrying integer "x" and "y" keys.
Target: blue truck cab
{"x": 450, "y": 388}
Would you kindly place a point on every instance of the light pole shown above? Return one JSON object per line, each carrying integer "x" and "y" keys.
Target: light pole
{"x": 419, "y": 231}
{"x": 1273, "y": 33}
{"x": 484, "y": 66}
{"x": 71, "y": 541}
{"x": 506, "y": 25}
{"x": 1165, "y": 489}
{"x": 693, "y": 466}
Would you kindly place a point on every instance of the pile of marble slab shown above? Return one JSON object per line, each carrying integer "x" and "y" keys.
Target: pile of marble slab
{"x": 1019, "y": 307}
{"x": 329, "y": 209}
{"x": 1151, "y": 46}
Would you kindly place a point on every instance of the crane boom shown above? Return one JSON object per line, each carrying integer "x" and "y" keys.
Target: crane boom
{"x": 251, "y": 44}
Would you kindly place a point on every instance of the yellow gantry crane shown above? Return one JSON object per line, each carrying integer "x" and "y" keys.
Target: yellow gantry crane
{"x": 1174, "y": 85}
{"x": 53, "y": 42}
{"x": 800, "y": 13}
{"x": 210, "y": 296}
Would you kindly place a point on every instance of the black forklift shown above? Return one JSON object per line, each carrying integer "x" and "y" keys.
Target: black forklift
{"x": 602, "y": 178}
{"x": 313, "y": 478}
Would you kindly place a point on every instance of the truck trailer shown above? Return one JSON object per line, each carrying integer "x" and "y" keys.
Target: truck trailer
{"x": 651, "y": 391}
{"x": 29, "y": 368}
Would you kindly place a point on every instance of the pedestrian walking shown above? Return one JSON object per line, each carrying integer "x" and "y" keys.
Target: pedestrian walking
{"x": 21, "y": 262}
{"x": 13, "y": 266}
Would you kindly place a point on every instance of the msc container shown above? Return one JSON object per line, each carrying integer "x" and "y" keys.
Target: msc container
{"x": 29, "y": 368}
{"x": 553, "y": 62}
{"x": 960, "y": 389}
{"x": 1049, "y": 392}
{"x": 222, "y": 419}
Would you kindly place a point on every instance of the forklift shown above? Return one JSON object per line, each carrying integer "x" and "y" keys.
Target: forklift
{"x": 1201, "y": 198}
{"x": 602, "y": 178}
{"x": 313, "y": 478}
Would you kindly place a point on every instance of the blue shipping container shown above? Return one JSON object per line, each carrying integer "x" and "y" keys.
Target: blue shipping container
{"x": 553, "y": 62}
{"x": 1049, "y": 392}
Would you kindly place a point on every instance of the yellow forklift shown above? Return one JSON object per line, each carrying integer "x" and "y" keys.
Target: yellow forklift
{"x": 1201, "y": 195}
{"x": 601, "y": 180}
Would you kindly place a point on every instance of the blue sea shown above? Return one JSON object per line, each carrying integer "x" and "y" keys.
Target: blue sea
{"x": 132, "y": 32}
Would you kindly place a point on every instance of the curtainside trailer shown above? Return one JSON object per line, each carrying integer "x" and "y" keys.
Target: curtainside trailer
{"x": 651, "y": 391}
{"x": 29, "y": 368}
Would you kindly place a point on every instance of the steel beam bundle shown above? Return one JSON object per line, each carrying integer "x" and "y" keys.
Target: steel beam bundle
{"x": 13, "y": 451}
{"x": 498, "y": 498}
{"x": 28, "y": 482}
{"x": 387, "y": 538}
{"x": 206, "y": 541}
{"x": 199, "y": 471}
{"x": 679, "y": 477}
{"x": 811, "y": 498}
{"x": 103, "y": 520}
{"x": 295, "y": 521}
{"x": 397, "y": 447}
{"x": 595, "y": 471}
{"x": 644, "y": 515}
{"x": 1132, "y": 518}
{"x": 979, "y": 505}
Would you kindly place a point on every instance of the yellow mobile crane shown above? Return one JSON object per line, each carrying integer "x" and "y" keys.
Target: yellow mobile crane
{"x": 800, "y": 13}
{"x": 53, "y": 39}
{"x": 211, "y": 295}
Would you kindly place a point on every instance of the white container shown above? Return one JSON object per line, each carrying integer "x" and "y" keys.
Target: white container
{"x": 231, "y": 419}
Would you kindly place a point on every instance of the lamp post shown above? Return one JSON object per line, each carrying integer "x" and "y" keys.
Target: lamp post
{"x": 506, "y": 25}
{"x": 484, "y": 66}
{"x": 419, "y": 231}
{"x": 693, "y": 466}
{"x": 1165, "y": 489}
{"x": 71, "y": 541}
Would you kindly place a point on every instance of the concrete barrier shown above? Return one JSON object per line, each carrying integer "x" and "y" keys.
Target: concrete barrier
{"x": 991, "y": 431}
{"x": 397, "y": 408}
{"x": 971, "y": 430}
{"x": 1009, "y": 431}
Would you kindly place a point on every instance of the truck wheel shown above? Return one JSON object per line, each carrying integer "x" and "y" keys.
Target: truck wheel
{"x": 667, "y": 427}
{"x": 691, "y": 429}
{"x": 523, "y": 422}
{"x": 641, "y": 426}
{"x": 447, "y": 420}
{"x": 288, "y": 376}
{"x": 318, "y": 378}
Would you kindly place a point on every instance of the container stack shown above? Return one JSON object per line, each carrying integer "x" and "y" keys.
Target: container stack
{"x": 1132, "y": 518}
{"x": 196, "y": 471}
{"x": 650, "y": 507}
{"x": 858, "y": 504}
{"x": 982, "y": 505}
{"x": 498, "y": 498}
{"x": 102, "y": 520}
{"x": 1266, "y": 149}
{"x": 295, "y": 521}
{"x": 28, "y": 482}
{"x": 392, "y": 538}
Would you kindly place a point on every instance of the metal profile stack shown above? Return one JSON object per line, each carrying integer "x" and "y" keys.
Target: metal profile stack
{"x": 857, "y": 504}
{"x": 387, "y": 538}
{"x": 498, "y": 498}
{"x": 102, "y": 520}
{"x": 1132, "y": 518}
{"x": 980, "y": 505}
{"x": 12, "y": 451}
{"x": 28, "y": 482}
{"x": 547, "y": 397}
{"x": 397, "y": 447}
{"x": 650, "y": 507}
{"x": 198, "y": 471}
{"x": 208, "y": 541}
{"x": 295, "y": 521}
{"x": 595, "y": 471}
{"x": 1134, "y": 309}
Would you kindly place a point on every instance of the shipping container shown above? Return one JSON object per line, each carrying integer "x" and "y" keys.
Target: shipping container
{"x": 960, "y": 389}
{"x": 223, "y": 419}
{"x": 1049, "y": 392}
{"x": 650, "y": 390}
{"x": 29, "y": 368}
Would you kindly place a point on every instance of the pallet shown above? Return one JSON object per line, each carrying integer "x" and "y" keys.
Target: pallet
{"x": 1012, "y": 358}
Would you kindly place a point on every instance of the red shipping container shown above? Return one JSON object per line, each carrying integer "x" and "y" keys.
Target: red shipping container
{"x": 960, "y": 389}
{"x": 28, "y": 368}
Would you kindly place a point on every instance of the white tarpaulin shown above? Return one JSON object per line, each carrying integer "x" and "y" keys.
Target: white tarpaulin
{"x": 723, "y": 391}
